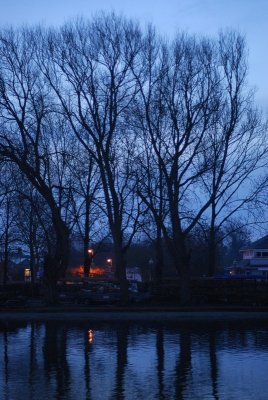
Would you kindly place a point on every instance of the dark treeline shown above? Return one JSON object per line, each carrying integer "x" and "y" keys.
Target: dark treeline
{"x": 110, "y": 131}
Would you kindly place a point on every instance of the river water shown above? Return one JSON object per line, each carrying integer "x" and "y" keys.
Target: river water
{"x": 138, "y": 360}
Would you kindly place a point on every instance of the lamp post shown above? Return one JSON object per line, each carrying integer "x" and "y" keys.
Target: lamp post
{"x": 151, "y": 268}
{"x": 87, "y": 262}
{"x": 110, "y": 264}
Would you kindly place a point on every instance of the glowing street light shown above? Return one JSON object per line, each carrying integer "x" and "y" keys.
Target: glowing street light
{"x": 87, "y": 262}
{"x": 90, "y": 252}
{"x": 110, "y": 263}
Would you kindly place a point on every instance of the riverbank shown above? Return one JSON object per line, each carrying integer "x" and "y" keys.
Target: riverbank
{"x": 137, "y": 313}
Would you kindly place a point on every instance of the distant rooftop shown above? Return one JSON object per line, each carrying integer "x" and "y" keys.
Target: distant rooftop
{"x": 258, "y": 244}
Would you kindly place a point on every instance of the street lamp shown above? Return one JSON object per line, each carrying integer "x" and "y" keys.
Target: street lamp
{"x": 90, "y": 252}
{"x": 151, "y": 267}
{"x": 87, "y": 263}
{"x": 110, "y": 263}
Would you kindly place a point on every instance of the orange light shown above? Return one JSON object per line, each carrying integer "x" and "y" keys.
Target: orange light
{"x": 78, "y": 270}
{"x": 90, "y": 251}
{"x": 97, "y": 271}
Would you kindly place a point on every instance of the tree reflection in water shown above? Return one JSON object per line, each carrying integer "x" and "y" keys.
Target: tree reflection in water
{"x": 66, "y": 361}
{"x": 160, "y": 361}
{"x": 88, "y": 341}
{"x": 183, "y": 365}
{"x": 6, "y": 380}
{"x": 213, "y": 364}
{"x": 32, "y": 360}
{"x": 121, "y": 362}
{"x": 55, "y": 358}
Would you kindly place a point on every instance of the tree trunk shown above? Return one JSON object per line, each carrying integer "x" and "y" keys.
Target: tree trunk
{"x": 62, "y": 248}
{"x": 181, "y": 259}
{"x": 55, "y": 265}
{"x": 177, "y": 245}
{"x": 87, "y": 262}
{"x": 5, "y": 261}
{"x": 185, "y": 287}
{"x": 32, "y": 242}
{"x": 50, "y": 279}
{"x": 87, "y": 256}
{"x": 6, "y": 246}
{"x": 120, "y": 271}
{"x": 212, "y": 253}
{"x": 32, "y": 264}
{"x": 159, "y": 259}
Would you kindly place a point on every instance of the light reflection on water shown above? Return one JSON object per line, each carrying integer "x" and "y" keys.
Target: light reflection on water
{"x": 69, "y": 361}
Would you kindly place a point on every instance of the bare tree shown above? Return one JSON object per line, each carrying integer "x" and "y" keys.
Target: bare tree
{"x": 177, "y": 96}
{"x": 33, "y": 226}
{"x": 169, "y": 131}
{"x": 88, "y": 66}
{"x": 8, "y": 233}
{"x": 8, "y": 216}
{"x": 238, "y": 146}
{"x": 25, "y": 110}
{"x": 196, "y": 113}
{"x": 151, "y": 190}
{"x": 24, "y": 215}
{"x": 90, "y": 222}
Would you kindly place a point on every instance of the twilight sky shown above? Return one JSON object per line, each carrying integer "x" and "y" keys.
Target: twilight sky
{"x": 195, "y": 16}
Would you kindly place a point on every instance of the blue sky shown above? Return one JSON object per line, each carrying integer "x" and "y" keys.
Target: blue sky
{"x": 195, "y": 16}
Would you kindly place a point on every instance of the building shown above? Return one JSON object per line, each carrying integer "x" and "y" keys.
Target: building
{"x": 134, "y": 274}
{"x": 254, "y": 260}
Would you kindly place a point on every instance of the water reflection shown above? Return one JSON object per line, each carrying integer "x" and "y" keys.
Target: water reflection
{"x": 183, "y": 364}
{"x": 56, "y": 367}
{"x": 72, "y": 361}
{"x": 160, "y": 353}
{"x": 213, "y": 364}
{"x": 90, "y": 336}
